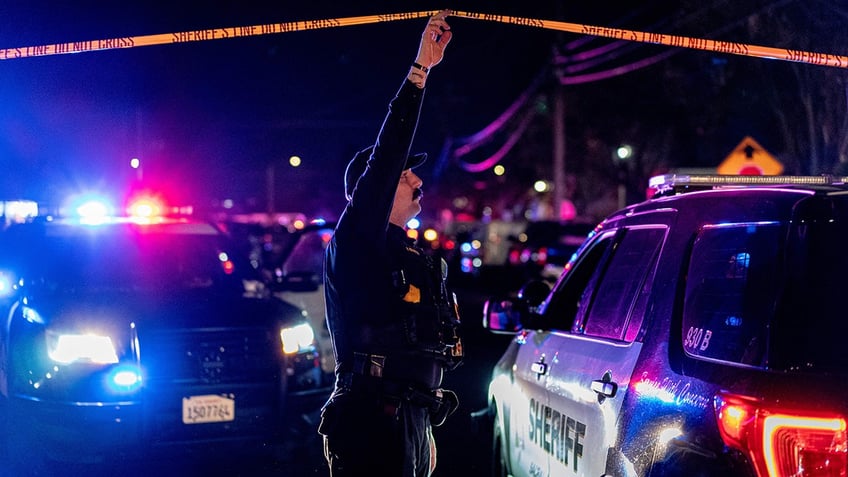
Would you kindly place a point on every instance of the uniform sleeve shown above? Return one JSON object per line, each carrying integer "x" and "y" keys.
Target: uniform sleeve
{"x": 369, "y": 209}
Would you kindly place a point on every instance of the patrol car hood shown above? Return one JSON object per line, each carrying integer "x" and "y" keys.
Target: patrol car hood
{"x": 109, "y": 310}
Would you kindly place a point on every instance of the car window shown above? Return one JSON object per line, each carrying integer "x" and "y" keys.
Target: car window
{"x": 597, "y": 296}
{"x": 624, "y": 280}
{"x": 731, "y": 288}
{"x": 308, "y": 254}
{"x": 573, "y": 289}
{"x": 809, "y": 329}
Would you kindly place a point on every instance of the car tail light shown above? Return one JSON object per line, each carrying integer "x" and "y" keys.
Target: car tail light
{"x": 532, "y": 256}
{"x": 227, "y": 264}
{"x": 514, "y": 257}
{"x": 783, "y": 442}
{"x": 541, "y": 256}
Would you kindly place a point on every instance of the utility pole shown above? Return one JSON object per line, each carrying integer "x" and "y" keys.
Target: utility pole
{"x": 559, "y": 135}
{"x": 559, "y": 123}
{"x": 559, "y": 148}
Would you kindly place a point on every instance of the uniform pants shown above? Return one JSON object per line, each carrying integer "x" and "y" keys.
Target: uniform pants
{"x": 365, "y": 434}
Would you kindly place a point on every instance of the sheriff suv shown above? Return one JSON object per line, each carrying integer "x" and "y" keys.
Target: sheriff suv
{"x": 125, "y": 336}
{"x": 698, "y": 333}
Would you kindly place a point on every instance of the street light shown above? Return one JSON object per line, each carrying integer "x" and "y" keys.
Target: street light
{"x": 624, "y": 152}
{"x": 135, "y": 163}
{"x": 271, "y": 180}
{"x": 622, "y": 156}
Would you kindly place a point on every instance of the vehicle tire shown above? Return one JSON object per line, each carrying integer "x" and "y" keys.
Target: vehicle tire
{"x": 4, "y": 439}
{"x": 499, "y": 465}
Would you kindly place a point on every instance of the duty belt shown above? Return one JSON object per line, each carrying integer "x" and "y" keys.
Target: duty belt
{"x": 369, "y": 364}
{"x": 366, "y": 376}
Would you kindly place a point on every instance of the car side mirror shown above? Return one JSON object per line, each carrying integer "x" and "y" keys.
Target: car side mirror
{"x": 515, "y": 314}
{"x": 501, "y": 316}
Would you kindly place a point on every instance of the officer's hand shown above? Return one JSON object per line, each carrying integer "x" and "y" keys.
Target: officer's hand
{"x": 434, "y": 40}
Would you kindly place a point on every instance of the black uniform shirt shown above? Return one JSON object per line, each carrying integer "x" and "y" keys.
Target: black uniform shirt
{"x": 362, "y": 286}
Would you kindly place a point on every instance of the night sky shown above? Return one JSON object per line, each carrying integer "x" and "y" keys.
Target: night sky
{"x": 215, "y": 114}
{"x": 208, "y": 119}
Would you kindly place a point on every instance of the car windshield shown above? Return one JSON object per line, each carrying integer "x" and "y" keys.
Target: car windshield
{"x": 307, "y": 255}
{"x": 120, "y": 257}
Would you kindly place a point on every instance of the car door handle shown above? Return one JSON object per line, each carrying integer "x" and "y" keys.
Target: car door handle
{"x": 604, "y": 388}
{"x": 540, "y": 368}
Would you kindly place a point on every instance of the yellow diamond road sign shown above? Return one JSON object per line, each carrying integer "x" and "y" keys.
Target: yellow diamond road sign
{"x": 750, "y": 159}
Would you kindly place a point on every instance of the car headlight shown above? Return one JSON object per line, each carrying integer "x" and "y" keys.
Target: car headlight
{"x": 8, "y": 284}
{"x": 91, "y": 348}
{"x": 298, "y": 338}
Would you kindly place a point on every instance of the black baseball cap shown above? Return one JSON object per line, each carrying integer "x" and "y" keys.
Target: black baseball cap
{"x": 356, "y": 167}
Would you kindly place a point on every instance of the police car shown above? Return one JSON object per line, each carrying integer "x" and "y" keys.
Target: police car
{"x": 125, "y": 336}
{"x": 300, "y": 280}
{"x": 698, "y": 333}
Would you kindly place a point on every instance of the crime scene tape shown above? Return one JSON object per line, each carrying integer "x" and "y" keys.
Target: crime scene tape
{"x": 727, "y": 47}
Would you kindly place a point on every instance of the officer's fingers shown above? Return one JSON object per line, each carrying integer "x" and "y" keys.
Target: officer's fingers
{"x": 445, "y": 38}
{"x": 437, "y": 32}
{"x": 433, "y": 31}
{"x": 441, "y": 15}
{"x": 438, "y": 23}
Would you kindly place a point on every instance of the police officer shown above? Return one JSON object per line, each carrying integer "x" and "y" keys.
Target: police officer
{"x": 393, "y": 323}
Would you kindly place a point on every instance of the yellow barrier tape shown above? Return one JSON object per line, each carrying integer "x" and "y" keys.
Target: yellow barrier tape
{"x": 729, "y": 47}
{"x": 733, "y": 48}
{"x": 202, "y": 35}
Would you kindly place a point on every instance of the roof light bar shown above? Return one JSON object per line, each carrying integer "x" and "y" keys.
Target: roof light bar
{"x": 145, "y": 207}
{"x": 667, "y": 182}
{"x": 92, "y": 209}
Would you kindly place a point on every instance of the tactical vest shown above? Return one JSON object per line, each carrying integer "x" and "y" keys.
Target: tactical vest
{"x": 427, "y": 313}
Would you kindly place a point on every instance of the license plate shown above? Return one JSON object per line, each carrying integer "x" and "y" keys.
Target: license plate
{"x": 209, "y": 408}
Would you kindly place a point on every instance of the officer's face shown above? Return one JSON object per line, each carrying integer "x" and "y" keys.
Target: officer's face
{"x": 407, "y": 198}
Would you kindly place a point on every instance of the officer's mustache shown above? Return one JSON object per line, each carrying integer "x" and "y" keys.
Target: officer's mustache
{"x": 417, "y": 193}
